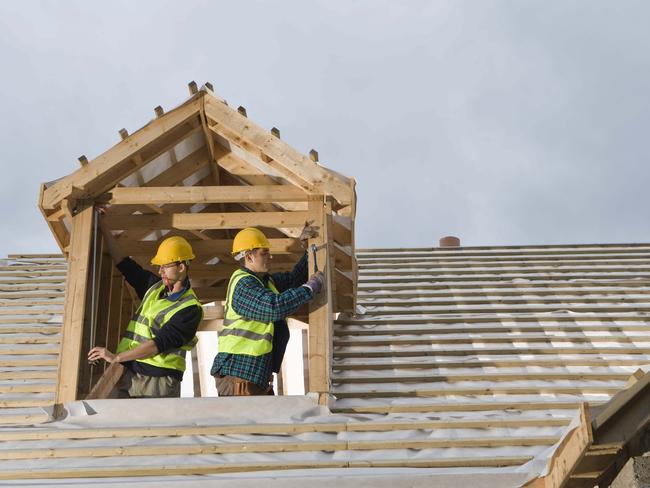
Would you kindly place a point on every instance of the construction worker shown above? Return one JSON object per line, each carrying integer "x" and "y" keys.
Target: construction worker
{"x": 163, "y": 328}
{"x": 255, "y": 333}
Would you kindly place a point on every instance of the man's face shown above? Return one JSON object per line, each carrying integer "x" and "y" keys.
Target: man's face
{"x": 258, "y": 260}
{"x": 171, "y": 273}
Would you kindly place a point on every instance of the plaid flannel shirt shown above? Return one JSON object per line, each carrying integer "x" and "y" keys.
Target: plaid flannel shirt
{"x": 254, "y": 301}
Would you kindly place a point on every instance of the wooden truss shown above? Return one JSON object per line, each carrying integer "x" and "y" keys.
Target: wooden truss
{"x": 202, "y": 171}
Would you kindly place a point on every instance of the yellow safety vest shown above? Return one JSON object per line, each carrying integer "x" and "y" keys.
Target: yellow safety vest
{"x": 241, "y": 335}
{"x": 152, "y": 315}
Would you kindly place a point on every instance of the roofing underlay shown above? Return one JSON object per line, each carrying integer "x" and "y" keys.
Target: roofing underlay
{"x": 462, "y": 365}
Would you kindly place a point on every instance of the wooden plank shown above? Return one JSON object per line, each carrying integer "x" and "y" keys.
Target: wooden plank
{"x": 58, "y": 228}
{"x": 295, "y": 167}
{"x": 24, "y": 362}
{"x": 532, "y": 271}
{"x": 619, "y": 401}
{"x": 26, "y": 403}
{"x": 32, "y": 311}
{"x": 75, "y": 307}
{"x": 283, "y": 446}
{"x": 379, "y": 302}
{"x": 342, "y": 230}
{"x": 548, "y": 248}
{"x": 23, "y": 419}
{"x": 614, "y": 308}
{"x": 320, "y": 308}
{"x": 214, "y": 246}
{"x": 567, "y": 455}
{"x": 28, "y": 340}
{"x": 206, "y": 194}
{"x": 105, "y": 385}
{"x": 502, "y": 262}
{"x": 471, "y": 351}
{"x": 494, "y": 327}
{"x": 29, "y": 375}
{"x": 343, "y": 257}
{"x": 173, "y": 470}
{"x": 589, "y": 285}
{"x": 489, "y": 339}
{"x": 488, "y": 363}
{"x": 481, "y": 280}
{"x": 28, "y": 388}
{"x": 198, "y": 221}
{"x": 483, "y": 390}
{"x": 120, "y": 154}
{"x": 483, "y": 376}
{"x": 614, "y": 319}
{"x": 459, "y": 406}
{"x": 25, "y": 351}
{"x": 27, "y": 329}
{"x": 181, "y": 430}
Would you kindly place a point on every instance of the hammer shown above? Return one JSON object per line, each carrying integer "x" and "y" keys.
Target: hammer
{"x": 314, "y": 249}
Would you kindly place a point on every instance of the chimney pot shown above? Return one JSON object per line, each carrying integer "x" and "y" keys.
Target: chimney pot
{"x": 449, "y": 241}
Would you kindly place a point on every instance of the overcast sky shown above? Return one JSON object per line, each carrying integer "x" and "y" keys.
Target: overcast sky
{"x": 501, "y": 122}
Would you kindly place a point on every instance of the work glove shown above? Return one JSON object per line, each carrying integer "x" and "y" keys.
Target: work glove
{"x": 309, "y": 231}
{"x": 315, "y": 282}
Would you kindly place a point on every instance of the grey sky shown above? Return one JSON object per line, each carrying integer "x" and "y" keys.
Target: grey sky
{"x": 520, "y": 122}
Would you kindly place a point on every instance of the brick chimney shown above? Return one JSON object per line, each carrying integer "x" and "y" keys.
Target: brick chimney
{"x": 449, "y": 241}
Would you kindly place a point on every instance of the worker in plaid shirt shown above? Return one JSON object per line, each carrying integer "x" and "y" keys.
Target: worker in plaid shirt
{"x": 255, "y": 334}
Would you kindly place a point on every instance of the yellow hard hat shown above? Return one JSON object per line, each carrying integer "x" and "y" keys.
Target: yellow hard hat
{"x": 249, "y": 238}
{"x": 173, "y": 249}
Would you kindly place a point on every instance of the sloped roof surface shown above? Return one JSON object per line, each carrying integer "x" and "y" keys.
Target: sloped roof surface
{"x": 466, "y": 360}
{"x": 32, "y": 289}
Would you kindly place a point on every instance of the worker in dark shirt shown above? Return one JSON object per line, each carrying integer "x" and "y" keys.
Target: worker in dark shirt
{"x": 163, "y": 329}
{"x": 255, "y": 333}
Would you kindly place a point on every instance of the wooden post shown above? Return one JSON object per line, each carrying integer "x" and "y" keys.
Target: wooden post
{"x": 355, "y": 266}
{"x": 75, "y": 308}
{"x": 320, "y": 309}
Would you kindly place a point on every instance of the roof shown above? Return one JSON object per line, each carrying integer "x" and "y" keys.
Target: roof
{"x": 470, "y": 361}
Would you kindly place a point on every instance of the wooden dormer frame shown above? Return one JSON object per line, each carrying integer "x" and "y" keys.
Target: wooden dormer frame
{"x": 239, "y": 175}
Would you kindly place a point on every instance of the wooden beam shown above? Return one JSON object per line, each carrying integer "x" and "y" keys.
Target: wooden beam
{"x": 479, "y": 390}
{"x": 193, "y": 87}
{"x": 159, "y": 111}
{"x": 198, "y": 221}
{"x": 568, "y": 454}
{"x": 342, "y": 229}
{"x": 120, "y": 154}
{"x": 320, "y": 308}
{"x": 214, "y": 246}
{"x": 204, "y": 194}
{"x": 296, "y": 167}
{"x": 75, "y": 307}
{"x": 58, "y": 228}
{"x": 185, "y": 470}
{"x": 107, "y": 382}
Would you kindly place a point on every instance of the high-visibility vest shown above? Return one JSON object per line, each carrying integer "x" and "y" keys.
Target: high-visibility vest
{"x": 241, "y": 335}
{"x": 152, "y": 315}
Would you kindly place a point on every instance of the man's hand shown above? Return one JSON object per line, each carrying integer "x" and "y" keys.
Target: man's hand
{"x": 97, "y": 353}
{"x": 309, "y": 231}
{"x": 315, "y": 282}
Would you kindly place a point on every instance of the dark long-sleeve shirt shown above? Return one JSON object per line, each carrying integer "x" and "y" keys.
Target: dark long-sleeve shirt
{"x": 254, "y": 301}
{"x": 178, "y": 330}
